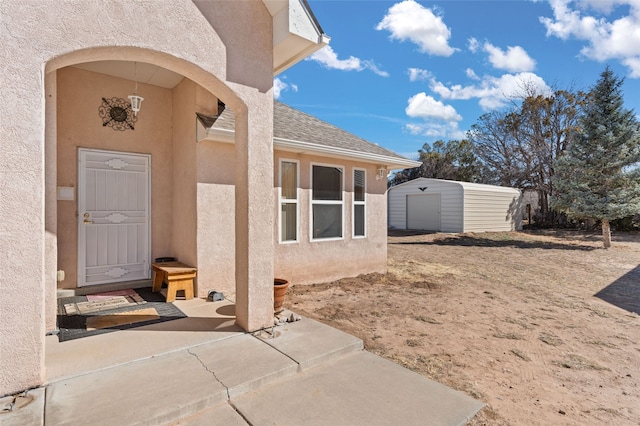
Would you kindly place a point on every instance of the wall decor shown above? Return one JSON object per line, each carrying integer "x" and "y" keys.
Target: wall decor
{"x": 117, "y": 114}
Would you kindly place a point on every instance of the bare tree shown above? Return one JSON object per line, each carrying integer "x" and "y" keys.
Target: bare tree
{"x": 500, "y": 159}
{"x": 518, "y": 147}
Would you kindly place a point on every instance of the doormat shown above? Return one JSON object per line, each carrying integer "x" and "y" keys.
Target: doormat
{"x": 99, "y": 303}
{"x": 127, "y": 292}
{"x": 153, "y": 309}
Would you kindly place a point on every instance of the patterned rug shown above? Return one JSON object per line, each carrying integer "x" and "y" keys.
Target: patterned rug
{"x": 104, "y": 302}
{"x": 83, "y": 316}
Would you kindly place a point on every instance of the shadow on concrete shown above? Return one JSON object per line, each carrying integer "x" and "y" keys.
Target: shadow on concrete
{"x": 624, "y": 292}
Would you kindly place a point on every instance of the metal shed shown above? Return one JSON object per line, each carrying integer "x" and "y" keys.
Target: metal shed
{"x": 450, "y": 206}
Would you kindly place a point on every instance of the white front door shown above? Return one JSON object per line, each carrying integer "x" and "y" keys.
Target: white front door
{"x": 113, "y": 217}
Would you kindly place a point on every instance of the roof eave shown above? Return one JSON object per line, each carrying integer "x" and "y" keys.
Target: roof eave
{"x": 390, "y": 162}
{"x": 299, "y": 147}
{"x": 294, "y": 56}
{"x": 296, "y": 32}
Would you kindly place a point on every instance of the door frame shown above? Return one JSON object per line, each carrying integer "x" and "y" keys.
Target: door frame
{"x": 81, "y": 249}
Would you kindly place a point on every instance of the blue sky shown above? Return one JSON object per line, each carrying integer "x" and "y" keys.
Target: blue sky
{"x": 405, "y": 73}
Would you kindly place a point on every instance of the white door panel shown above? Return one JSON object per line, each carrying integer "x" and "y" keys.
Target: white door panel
{"x": 113, "y": 211}
{"x": 423, "y": 212}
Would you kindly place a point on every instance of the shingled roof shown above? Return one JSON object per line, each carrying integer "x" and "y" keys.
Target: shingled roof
{"x": 291, "y": 126}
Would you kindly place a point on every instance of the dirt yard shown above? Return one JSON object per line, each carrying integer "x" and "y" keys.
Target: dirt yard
{"x": 511, "y": 319}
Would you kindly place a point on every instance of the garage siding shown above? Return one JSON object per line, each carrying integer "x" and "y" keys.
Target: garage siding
{"x": 491, "y": 211}
{"x": 451, "y": 214}
{"x": 464, "y": 207}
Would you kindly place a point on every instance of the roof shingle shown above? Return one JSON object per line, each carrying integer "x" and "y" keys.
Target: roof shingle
{"x": 294, "y": 125}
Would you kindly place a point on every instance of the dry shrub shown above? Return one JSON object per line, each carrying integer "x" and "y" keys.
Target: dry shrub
{"x": 511, "y": 336}
{"x": 550, "y": 339}
{"x": 577, "y": 362}
{"x": 520, "y": 354}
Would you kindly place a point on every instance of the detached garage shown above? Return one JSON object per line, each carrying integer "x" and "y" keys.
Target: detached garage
{"x": 450, "y": 206}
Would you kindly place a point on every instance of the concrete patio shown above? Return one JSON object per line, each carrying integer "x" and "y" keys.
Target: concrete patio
{"x": 204, "y": 370}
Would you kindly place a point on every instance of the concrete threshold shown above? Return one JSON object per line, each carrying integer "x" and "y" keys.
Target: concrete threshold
{"x": 304, "y": 373}
{"x": 169, "y": 387}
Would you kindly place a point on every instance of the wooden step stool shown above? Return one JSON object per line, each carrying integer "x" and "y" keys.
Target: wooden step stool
{"x": 178, "y": 277}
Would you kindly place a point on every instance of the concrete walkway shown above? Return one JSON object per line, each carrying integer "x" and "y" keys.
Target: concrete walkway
{"x": 305, "y": 373}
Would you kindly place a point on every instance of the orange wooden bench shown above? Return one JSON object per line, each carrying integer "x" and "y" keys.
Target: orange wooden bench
{"x": 177, "y": 275}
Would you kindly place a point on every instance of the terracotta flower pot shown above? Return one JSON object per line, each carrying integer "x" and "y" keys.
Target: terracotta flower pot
{"x": 280, "y": 287}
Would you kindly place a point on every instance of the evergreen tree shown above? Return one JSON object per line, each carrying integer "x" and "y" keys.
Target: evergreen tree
{"x": 598, "y": 176}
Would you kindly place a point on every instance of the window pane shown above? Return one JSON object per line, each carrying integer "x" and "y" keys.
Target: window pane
{"x": 358, "y": 220}
{"x": 327, "y": 183}
{"x": 358, "y": 185}
{"x": 327, "y": 221}
{"x": 289, "y": 224}
{"x": 289, "y": 180}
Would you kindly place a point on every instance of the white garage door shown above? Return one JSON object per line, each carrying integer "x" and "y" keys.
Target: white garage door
{"x": 423, "y": 212}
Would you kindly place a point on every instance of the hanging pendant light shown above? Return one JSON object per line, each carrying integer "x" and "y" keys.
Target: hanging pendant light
{"x": 136, "y": 100}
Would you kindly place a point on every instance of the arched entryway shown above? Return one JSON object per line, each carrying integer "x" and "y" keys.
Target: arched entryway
{"x": 187, "y": 181}
{"x": 205, "y": 45}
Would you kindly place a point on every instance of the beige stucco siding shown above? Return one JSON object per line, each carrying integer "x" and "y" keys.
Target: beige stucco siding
{"x": 216, "y": 221}
{"x": 204, "y": 42}
{"x": 79, "y": 126}
{"x": 302, "y": 262}
{"x": 182, "y": 188}
{"x": 307, "y": 261}
{"x": 179, "y": 189}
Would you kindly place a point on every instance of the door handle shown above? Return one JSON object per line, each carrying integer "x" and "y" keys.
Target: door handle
{"x": 86, "y": 219}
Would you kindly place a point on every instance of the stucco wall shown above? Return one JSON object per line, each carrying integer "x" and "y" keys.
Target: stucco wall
{"x": 208, "y": 46}
{"x": 216, "y": 218}
{"x": 80, "y": 94}
{"x": 304, "y": 262}
{"x": 183, "y": 202}
{"x": 307, "y": 261}
{"x": 215, "y": 169}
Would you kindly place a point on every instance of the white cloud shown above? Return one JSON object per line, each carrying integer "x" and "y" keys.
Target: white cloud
{"x": 417, "y": 74}
{"x": 514, "y": 59}
{"x": 493, "y": 92}
{"x": 474, "y": 45}
{"x": 606, "y": 39}
{"x": 328, "y": 58}
{"x": 438, "y": 120}
{"x": 436, "y": 130}
{"x": 411, "y": 21}
{"x": 472, "y": 74}
{"x": 634, "y": 66}
{"x": 280, "y": 86}
{"x": 424, "y": 106}
{"x": 413, "y": 128}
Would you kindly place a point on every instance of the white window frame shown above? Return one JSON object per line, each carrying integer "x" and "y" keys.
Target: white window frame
{"x": 355, "y": 203}
{"x": 313, "y": 202}
{"x": 282, "y": 201}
